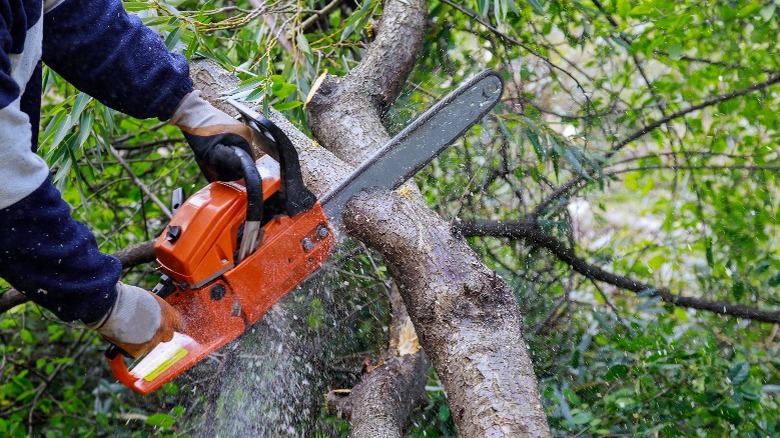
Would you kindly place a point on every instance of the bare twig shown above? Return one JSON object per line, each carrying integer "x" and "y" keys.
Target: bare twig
{"x": 316, "y": 15}
{"x": 137, "y": 181}
{"x": 533, "y": 234}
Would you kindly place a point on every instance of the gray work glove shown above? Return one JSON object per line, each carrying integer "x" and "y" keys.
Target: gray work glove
{"x": 211, "y": 134}
{"x": 138, "y": 321}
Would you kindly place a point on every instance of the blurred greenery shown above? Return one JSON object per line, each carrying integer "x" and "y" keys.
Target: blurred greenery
{"x": 690, "y": 205}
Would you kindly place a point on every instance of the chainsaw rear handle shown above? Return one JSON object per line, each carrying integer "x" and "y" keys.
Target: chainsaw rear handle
{"x": 113, "y": 351}
{"x": 118, "y": 367}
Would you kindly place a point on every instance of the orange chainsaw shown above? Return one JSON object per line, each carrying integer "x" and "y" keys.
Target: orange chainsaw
{"x": 233, "y": 249}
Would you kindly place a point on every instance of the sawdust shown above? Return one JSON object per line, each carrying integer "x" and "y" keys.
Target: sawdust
{"x": 408, "y": 343}
{"x": 407, "y": 191}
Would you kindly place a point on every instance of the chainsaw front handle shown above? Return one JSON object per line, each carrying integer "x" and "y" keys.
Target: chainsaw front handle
{"x": 254, "y": 186}
{"x": 254, "y": 204}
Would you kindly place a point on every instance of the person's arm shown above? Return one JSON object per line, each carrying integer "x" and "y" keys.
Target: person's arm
{"x": 44, "y": 253}
{"x": 54, "y": 259}
{"x": 110, "y": 55}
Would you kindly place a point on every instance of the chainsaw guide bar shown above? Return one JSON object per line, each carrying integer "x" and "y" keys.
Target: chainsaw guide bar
{"x": 234, "y": 249}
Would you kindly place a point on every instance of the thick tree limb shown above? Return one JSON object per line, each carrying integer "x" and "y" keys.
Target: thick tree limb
{"x": 466, "y": 316}
{"x": 533, "y": 234}
{"x": 380, "y": 404}
{"x": 479, "y": 356}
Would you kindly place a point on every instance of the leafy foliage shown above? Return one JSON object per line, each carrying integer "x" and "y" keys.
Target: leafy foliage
{"x": 594, "y": 140}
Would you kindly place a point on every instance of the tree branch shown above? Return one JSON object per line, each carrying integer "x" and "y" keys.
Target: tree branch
{"x": 676, "y": 115}
{"x": 533, "y": 234}
{"x": 137, "y": 181}
{"x": 380, "y": 404}
{"x": 467, "y": 318}
{"x": 580, "y": 180}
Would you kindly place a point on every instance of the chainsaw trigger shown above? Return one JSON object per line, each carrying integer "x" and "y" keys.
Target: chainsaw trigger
{"x": 164, "y": 287}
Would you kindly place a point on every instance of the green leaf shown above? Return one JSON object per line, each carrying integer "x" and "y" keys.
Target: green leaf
{"x": 623, "y": 8}
{"x": 616, "y": 372}
{"x": 642, "y": 9}
{"x": 284, "y": 91}
{"x": 173, "y": 38}
{"x": 278, "y": 79}
{"x": 748, "y": 10}
{"x": 571, "y": 156}
{"x": 444, "y": 413}
{"x": 154, "y": 21}
{"x": 81, "y": 102}
{"x": 738, "y": 290}
{"x": 541, "y": 152}
{"x": 537, "y": 7}
{"x": 161, "y": 420}
{"x": 739, "y": 373}
{"x": 581, "y": 418}
{"x": 137, "y": 6}
{"x": 302, "y": 43}
{"x": 256, "y": 94}
{"x": 675, "y": 52}
{"x": 285, "y": 106}
{"x": 27, "y": 336}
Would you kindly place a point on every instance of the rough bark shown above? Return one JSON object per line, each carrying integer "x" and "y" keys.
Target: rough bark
{"x": 381, "y": 402}
{"x": 465, "y": 314}
{"x": 467, "y": 319}
{"x": 380, "y": 405}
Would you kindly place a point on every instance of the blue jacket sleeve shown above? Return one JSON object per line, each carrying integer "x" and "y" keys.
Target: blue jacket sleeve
{"x": 110, "y": 55}
{"x": 54, "y": 260}
{"x": 44, "y": 253}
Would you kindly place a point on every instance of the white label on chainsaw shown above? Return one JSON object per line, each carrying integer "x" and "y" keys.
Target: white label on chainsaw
{"x": 162, "y": 357}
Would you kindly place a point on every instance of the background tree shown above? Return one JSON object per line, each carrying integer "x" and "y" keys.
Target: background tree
{"x": 626, "y": 191}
